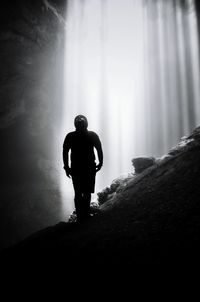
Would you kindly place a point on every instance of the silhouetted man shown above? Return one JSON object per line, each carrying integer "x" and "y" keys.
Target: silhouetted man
{"x": 83, "y": 168}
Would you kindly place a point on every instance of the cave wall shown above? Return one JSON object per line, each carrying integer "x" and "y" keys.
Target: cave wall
{"x": 31, "y": 62}
{"x": 197, "y": 4}
{"x": 31, "y": 41}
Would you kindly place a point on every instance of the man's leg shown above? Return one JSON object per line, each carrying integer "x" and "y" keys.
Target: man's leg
{"x": 78, "y": 200}
{"x": 86, "y": 203}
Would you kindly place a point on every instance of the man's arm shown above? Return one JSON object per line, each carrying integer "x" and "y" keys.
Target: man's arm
{"x": 98, "y": 147}
{"x": 66, "y": 148}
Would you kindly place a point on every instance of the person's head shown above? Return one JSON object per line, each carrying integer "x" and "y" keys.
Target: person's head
{"x": 80, "y": 123}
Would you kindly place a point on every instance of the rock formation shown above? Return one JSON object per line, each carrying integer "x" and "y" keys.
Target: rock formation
{"x": 154, "y": 219}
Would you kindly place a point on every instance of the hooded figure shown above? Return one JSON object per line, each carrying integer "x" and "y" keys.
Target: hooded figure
{"x": 82, "y": 167}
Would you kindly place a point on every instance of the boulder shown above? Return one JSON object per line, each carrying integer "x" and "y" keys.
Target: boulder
{"x": 142, "y": 163}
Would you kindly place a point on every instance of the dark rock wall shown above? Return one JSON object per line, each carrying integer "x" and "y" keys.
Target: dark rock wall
{"x": 197, "y": 3}
{"x": 31, "y": 62}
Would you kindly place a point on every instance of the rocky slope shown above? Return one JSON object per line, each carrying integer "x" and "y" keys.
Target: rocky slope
{"x": 152, "y": 219}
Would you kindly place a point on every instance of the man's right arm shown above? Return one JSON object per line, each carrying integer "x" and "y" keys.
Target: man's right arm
{"x": 66, "y": 148}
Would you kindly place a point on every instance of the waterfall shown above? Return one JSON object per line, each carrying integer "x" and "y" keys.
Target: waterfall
{"x": 132, "y": 67}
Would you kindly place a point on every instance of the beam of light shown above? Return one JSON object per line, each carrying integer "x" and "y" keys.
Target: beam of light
{"x": 132, "y": 67}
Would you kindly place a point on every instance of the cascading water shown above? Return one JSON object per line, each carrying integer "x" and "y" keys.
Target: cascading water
{"x": 132, "y": 67}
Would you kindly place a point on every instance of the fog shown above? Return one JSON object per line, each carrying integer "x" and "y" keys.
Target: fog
{"x": 132, "y": 67}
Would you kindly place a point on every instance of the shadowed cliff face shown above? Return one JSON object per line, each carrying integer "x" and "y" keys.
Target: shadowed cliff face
{"x": 31, "y": 60}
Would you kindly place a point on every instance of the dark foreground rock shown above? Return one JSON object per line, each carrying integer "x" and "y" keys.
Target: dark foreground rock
{"x": 153, "y": 220}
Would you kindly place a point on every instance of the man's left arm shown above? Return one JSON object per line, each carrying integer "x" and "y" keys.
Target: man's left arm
{"x": 98, "y": 146}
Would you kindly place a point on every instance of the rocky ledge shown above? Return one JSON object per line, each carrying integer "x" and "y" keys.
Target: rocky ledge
{"x": 151, "y": 217}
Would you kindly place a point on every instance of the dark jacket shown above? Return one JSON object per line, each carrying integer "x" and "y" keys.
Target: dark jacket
{"x": 82, "y": 144}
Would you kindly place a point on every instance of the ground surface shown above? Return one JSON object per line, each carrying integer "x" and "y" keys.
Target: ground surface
{"x": 153, "y": 220}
